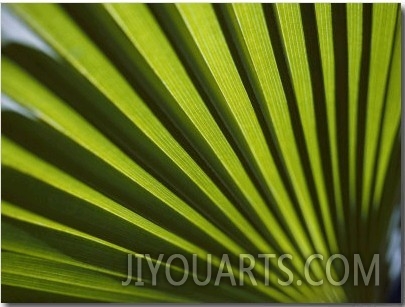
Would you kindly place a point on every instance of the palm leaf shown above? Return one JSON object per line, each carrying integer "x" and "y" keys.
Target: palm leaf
{"x": 195, "y": 129}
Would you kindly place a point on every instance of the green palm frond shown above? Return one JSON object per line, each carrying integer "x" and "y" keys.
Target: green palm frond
{"x": 199, "y": 129}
